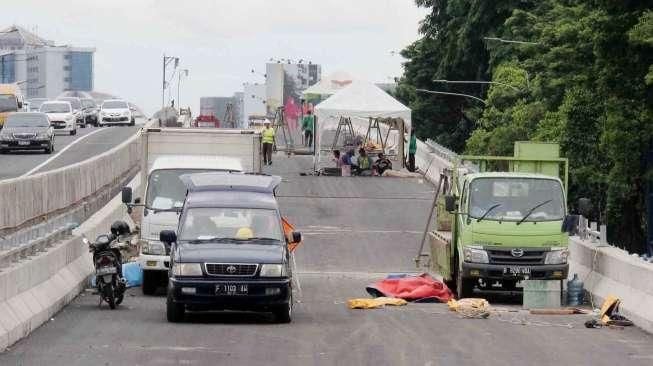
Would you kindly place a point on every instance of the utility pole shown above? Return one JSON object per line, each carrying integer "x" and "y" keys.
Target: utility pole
{"x": 166, "y": 60}
{"x": 185, "y": 73}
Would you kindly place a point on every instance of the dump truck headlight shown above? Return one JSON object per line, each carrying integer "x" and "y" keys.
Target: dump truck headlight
{"x": 474, "y": 254}
{"x": 557, "y": 255}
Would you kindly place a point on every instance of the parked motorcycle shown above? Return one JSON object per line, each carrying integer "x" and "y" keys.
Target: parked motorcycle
{"x": 107, "y": 260}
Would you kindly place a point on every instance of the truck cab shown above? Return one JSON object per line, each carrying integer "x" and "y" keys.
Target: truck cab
{"x": 11, "y": 100}
{"x": 506, "y": 216}
{"x": 230, "y": 250}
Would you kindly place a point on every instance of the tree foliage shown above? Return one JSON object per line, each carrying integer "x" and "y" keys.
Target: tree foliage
{"x": 585, "y": 84}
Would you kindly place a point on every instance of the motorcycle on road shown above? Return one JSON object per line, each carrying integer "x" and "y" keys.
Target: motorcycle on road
{"x": 107, "y": 260}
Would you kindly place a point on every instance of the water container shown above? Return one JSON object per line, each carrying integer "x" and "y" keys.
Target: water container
{"x": 575, "y": 292}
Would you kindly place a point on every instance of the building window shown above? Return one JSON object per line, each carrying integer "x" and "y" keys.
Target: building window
{"x": 67, "y": 56}
{"x": 66, "y": 80}
{"x": 66, "y": 68}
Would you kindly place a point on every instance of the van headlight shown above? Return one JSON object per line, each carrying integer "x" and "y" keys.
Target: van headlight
{"x": 187, "y": 269}
{"x": 153, "y": 248}
{"x": 474, "y": 254}
{"x": 557, "y": 255}
{"x": 273, "y": 270}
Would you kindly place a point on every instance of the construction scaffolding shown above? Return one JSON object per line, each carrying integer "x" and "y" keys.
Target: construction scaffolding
{"x": 283, "y": 133}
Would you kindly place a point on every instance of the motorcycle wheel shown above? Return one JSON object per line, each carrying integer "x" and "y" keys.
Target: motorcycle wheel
{"x": 109, "y": 296}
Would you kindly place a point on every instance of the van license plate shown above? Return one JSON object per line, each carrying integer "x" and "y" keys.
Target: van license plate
{"x": 517, "y": 271}
{"x": 231, "y": 289}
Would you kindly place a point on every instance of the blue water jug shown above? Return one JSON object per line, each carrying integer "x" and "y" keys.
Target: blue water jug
{"x": 575, "y": 291}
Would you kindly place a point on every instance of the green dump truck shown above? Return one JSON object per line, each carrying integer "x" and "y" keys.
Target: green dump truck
{"x": 501, "y": 218}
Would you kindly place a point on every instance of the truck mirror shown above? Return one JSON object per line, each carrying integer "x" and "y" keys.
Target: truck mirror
{"x": 296, "y": 237}
{"x": 450, "y": 203}
{"x": 168, "y": 236}
{"x": 570, "y": 225}
{"x": 137, "y": 200}
{"x": 584, "y": 206}
{"x": 126, "y": 195}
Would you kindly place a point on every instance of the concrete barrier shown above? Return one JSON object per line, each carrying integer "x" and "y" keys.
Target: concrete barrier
{"x": 608, "y": 270}
{"x": 27, "y": 199}
{"x": 34, "y": 290}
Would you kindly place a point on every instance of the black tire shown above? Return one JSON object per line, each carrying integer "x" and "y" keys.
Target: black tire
{"x": 174, "y": 312}
{"x": 119, "y": 299}
{"x": 133, "y": 122}
{"x": 73, "y": 132}
{"x": 50, "y": 148}
{"x": 109, "y": 295}
{"x": 464, "y": 286}
{"x": 149, "y": 283}
{"x": 283, "y": 314}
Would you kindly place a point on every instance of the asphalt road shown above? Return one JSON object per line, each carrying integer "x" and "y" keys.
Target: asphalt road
{"x": 78, "y": 148}
{"x": 356, "y": 230}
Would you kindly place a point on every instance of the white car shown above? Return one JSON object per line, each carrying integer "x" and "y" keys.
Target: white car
{"x": 61, "y": 115}
{"x": 115, "y": 112}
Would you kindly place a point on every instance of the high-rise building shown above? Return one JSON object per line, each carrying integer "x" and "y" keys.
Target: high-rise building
{"x": 288, "y": 79}
{"x": 41, "y": 68}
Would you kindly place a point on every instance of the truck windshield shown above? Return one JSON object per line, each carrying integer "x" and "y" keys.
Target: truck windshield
{"x": 165, "y": 191}
{"x": 516, "y": 197}
{"x": 8, "y": 103}
{"x": 241, "y": 224}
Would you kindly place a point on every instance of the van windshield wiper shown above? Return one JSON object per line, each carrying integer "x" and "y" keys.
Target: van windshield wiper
{"x": 210, "y": 240}
{"x": 488, "y": 211}
{"x": 260, "y": 239}
{"x": 533, "y": 210}
{"x": 172, "y": 209}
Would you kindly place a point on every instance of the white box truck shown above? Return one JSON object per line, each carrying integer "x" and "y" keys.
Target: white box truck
{"x": 168, "y": 153}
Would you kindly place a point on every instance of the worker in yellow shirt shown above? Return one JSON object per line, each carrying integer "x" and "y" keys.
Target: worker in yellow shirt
{"x": 268, "y": 142}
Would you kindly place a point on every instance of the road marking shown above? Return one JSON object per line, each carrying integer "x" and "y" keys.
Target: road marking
{"x": 36, "y": 168}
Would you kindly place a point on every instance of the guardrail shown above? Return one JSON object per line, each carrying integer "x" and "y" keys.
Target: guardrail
{"x": 41, "y": 205}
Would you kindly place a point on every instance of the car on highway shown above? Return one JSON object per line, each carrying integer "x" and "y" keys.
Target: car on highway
{"x": 230, "y": 252}
{"x": 78, "y": 110}
{"x": 27, "y": 131}
{"x": 116, "y": 112}
{"x": 61, "y": 115}
{"x": 35, "y": 103}
{"x": 91, "y": 111}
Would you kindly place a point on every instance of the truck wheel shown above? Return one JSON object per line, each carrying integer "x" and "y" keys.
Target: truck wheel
{"x": 149, "y": 283}
{"x": 174, "y": 312}
{"x": 464, "y": 286}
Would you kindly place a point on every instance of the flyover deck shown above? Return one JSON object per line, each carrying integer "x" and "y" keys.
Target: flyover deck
{"x": 356, "y": 230}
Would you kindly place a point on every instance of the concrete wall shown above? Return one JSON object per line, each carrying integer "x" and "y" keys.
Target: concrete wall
{"x": 34, "y": 290}
{"x": 609, "y": 270}
{"x": 28, "y": 198}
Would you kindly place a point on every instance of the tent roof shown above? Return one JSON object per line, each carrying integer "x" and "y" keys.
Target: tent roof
{"x": 331, "y": 84}
{"x": 362, "y": 99}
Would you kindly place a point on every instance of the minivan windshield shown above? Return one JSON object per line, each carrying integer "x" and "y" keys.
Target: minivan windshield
{"x": 26, "y": 120}
{"x": 223, "y": 223}
{"x": 114, "y": 104}
{"x": 88, "y": 103}
{"x": 55, "y": 108}
{"x": 8, "y": 103}
{"x": 512, "y": 199}
{"x": 165, "y": 191}
{"x": 74, "y": 102}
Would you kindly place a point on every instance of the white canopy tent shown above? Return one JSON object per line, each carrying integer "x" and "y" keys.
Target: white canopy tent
{"x": 330, "y": 85}
{"x": 360, "y": 101}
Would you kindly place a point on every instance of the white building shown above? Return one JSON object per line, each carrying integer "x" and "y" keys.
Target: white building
{"x": 43, "y": 69}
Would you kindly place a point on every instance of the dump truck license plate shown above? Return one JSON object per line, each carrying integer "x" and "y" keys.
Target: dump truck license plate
{"x": 231, "y": 289}
{"x": 515, "y": 271}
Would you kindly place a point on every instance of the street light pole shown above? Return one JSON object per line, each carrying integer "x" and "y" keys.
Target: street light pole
{"x": 166, "y": 61}
{"x": 477, "y": 82}
{"x": 185, "y": 73}
{"x": 456, "y": 94}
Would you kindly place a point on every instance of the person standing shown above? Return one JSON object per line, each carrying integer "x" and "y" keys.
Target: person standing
{"x": 268, "y": 142}
{"x": 412, "y": 149}
{"x": 308, "y": 123}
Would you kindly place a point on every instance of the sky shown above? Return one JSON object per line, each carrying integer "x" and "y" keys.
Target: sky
{"x": 219, "y": 41}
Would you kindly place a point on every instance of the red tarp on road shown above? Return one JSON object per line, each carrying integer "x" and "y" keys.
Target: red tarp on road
{"x": 411, "y": 288}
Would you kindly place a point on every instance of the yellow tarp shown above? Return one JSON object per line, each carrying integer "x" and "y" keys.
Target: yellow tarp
{"x": 374, "y": 303}
{"x": 470, "y": 307}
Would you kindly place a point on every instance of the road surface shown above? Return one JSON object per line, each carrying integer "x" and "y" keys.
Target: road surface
{"x": 356, "y": 230}
{"x": 88, "y": 142}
